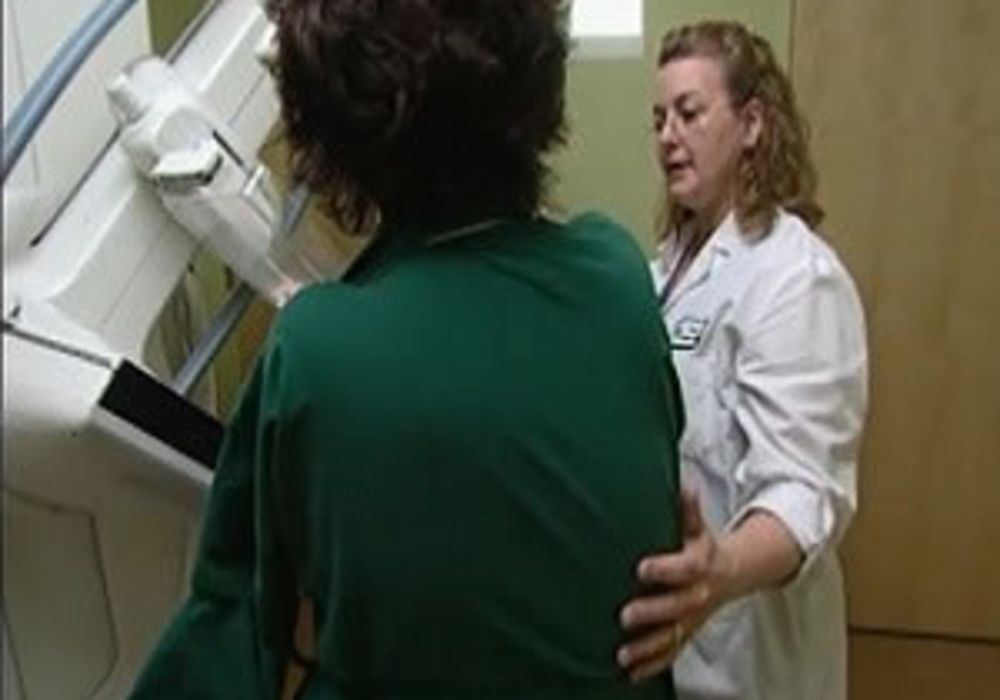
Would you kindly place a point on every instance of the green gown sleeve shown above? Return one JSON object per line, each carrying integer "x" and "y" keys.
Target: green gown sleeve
{"x": 231, "y": 638}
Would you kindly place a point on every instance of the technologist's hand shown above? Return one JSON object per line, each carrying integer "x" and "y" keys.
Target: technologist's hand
{"x": 694, "y": 585}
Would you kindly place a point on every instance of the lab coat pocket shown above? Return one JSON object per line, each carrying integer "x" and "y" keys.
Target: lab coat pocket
{"x": 719, "y": 633}
{"x": 704, "y": 432}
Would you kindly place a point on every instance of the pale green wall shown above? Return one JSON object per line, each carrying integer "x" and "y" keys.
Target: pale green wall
{"x": 169, "y": 18}
{"x": 608, "y": 163}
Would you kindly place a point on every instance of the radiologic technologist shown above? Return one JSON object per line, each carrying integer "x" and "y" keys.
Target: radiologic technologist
{"x": 768, "y": 337}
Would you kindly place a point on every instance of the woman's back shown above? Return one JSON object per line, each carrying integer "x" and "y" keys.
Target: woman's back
{"x": 491, "y": 454}
{"x": 459, "y": 455}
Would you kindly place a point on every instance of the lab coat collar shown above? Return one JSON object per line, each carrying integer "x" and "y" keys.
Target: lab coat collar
{"x": 728, "y": 238}
{"x": 722, "y": 244}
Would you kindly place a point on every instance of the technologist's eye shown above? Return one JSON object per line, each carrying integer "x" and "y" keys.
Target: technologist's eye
{"x": 688, "y": 114}
{"x": 659, "y": 119}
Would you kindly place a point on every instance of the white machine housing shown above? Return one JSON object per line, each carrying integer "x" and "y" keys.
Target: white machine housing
{"x": 105, "y": 470}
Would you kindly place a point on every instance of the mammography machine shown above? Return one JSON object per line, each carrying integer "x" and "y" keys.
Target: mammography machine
{"x": 119, "y": 167}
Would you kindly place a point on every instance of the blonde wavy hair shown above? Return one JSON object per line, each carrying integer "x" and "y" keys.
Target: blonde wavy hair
{"x": 778, "y": 171}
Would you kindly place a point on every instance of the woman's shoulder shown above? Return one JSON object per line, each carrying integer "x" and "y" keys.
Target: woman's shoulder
{"x": 607, "y": 235}
{"x": 313, "y": 305}
{"x": 793, "y": 248}
{"x": 794, "y": 262}
{"x": 315, "y": 322}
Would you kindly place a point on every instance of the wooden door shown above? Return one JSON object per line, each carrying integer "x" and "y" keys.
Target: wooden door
{"x": 904, "y": 102}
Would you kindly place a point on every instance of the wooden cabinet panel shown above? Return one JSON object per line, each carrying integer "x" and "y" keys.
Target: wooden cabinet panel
{"x": 905, "y": 112}
{"x": 917, "y": 669}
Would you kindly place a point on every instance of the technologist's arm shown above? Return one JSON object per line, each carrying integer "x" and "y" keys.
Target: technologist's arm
{"x": 802, "y": 381}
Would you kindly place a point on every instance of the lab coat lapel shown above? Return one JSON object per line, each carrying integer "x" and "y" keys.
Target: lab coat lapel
{"x": 719, "y": 245}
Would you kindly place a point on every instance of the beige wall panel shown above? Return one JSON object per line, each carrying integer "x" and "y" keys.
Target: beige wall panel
{"x": 905, "y": 109}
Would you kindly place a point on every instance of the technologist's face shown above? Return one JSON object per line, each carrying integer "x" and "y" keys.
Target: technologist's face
{"x": 700, "y": 136}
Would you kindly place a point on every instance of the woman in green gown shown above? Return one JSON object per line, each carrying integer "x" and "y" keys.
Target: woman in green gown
{"x": 459, "y": 452}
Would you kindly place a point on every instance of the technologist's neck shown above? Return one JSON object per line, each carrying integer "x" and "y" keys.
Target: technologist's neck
{"x": 702, "y": 222}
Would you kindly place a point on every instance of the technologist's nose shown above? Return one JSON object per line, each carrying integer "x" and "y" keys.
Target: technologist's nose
{"x": 667, "y": 135}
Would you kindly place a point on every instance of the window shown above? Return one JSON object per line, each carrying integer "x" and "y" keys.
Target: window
{"x": 607, "y": 28}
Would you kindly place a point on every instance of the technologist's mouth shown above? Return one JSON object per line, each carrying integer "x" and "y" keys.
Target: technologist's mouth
{"x": 677, "y": 168}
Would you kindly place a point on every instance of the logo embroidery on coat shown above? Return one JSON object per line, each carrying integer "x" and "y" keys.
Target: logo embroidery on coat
{"x": 687, "y": 333}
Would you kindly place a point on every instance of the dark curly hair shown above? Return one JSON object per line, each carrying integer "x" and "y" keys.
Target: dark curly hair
{"x": 421, "y": 113}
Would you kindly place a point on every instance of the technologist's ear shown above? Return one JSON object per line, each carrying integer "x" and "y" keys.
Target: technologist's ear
{"x": 752, "y": 116}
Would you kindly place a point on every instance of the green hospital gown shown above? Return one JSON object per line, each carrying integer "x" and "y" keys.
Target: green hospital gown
{"x": 460, "y": 452}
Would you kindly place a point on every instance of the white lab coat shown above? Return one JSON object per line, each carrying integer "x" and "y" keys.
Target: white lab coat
{"x": 769, "y": 342}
